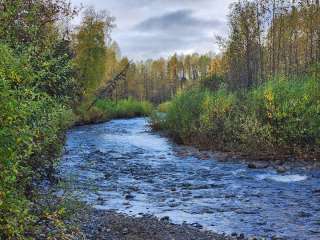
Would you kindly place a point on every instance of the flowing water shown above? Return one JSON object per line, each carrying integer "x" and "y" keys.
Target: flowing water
{"x": 121, "y": 165}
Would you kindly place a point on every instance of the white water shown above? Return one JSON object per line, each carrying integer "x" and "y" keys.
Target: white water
{"x": 283, "y": 178}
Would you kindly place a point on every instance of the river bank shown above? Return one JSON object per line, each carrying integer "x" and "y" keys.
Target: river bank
{"x": 110, "y": 225}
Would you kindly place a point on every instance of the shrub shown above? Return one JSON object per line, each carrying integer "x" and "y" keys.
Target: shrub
{"x": 183, "y": 114}
{"x": 164, "y": 107}
{"x": 31, "y": 130}
{"x": 291, "y": 109}
{"x": 280, "y": 116}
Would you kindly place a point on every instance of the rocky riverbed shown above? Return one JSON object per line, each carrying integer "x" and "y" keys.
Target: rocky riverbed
{"x": 110, "y": 225}
{"x": 134, "y": 177}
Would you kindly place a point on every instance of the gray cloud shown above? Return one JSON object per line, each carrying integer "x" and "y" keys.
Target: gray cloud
{"x": 174, "y": 31}
{"x": 154, "y": 28}
{"x": 177, "y": 20}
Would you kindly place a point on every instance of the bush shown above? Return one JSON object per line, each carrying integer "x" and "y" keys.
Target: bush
{"x": 31, "y": 136}
{"x": 183, "y": 115}
{"x": 164, "y": 107}
{"x": 291, "y": 109}
{"x": 280, "y": 116}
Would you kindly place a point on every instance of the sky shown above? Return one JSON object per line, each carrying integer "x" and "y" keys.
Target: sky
{"x": 159, "y": 28}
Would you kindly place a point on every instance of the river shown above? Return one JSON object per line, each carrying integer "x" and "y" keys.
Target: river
{"x": 122, "y": 165}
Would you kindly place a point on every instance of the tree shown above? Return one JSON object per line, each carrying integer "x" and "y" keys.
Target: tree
{"x": 172, "y": 69}
{"x": 90, "y": 48}
{"x": 32, "y": 23}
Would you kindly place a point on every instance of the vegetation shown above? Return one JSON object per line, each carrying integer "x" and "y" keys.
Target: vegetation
{"x": 280, "y": 116}
{"x": 105, "y": 110}
{"x": 36, "y": 88}
{"x": 125, "y": 108}
{"x": 261, "y": 95}
{"x": 267, "y": 39}
{"x": 49, "y": 75}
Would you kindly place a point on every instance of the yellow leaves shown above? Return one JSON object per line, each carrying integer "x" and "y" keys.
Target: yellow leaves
{"x": 269, "y": 95}
{"x": 19, "y": 140}
{"x": 2, "y": 195}
{"x": 15, "y": 77}
{"x": 206, "y": 103}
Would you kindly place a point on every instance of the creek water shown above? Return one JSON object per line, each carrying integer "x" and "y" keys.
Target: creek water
{"x": 122, "y": 165}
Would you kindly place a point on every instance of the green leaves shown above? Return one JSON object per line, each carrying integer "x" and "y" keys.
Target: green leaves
{"x": 281, "y": 115}
{"x": 30, "y": 139}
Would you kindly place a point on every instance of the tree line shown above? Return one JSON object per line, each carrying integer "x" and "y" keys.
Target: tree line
{"x": 267, "y": 38}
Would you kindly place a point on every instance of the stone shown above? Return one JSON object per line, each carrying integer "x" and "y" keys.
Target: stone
{"x": 125, "y": 231}
{"x": 258, "y": 165}
{"x": 129, "y": 196}
{"x": 241, "y": 236}
{"x": 276, "y": 238}
{"x": 165, "y": 219}
{"x": 317, "y": 191}
{"x": 281, "y": 169}
{"x": 107, "y": 176}
{"x": 197, "y": 225}
{"x": 252, "y": 166}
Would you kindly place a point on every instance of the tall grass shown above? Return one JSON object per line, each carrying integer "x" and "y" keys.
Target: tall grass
{"x": 105, "y": 110}
{"x": 126, "y": 108}
{"x": 279, "y": 117}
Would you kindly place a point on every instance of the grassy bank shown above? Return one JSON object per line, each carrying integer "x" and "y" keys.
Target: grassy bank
{"x": 105, "y": 110}
{"x": 281, "y": 117}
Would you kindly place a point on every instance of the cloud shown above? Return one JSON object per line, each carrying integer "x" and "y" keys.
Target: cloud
{"x": 154, "y": 28}
{"x": 180, "y": 20}
{"x": 174, "y": 31}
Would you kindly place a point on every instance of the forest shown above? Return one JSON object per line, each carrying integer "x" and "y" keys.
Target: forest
{"x": 259, "y": 96}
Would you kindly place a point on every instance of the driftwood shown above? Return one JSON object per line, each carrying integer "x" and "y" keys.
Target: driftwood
{"x": 107, "y": 90}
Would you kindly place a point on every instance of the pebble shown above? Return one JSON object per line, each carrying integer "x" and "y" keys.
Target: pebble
{"x": 125, "y": 231}
{"x": 281, "y": 169}
{"x": 317, "y": 191}
{"x": 258, "y": 165}
{"x": 276, "y": 238}
{"x": 165, "y": 219}
{"x": 129, "y": 196}
{"x": 197, "y": 225}
{"x": 241, "y": 236}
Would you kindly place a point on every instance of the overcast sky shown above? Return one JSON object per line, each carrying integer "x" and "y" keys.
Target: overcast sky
{"x": 158, "y": 28}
